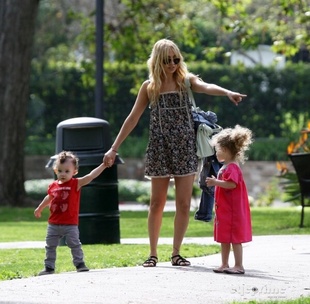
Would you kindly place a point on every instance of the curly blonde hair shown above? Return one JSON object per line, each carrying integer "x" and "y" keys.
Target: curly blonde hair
{"x": 157, "y": 74}
{"x": 237, "y": 140}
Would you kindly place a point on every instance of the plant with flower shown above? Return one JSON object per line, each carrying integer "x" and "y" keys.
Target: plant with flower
{"x": 302, "y": 145}
{"x": 290, "y": 181}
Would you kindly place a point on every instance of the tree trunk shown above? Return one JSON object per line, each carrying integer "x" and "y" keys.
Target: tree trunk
{"x": 17, "y": 23}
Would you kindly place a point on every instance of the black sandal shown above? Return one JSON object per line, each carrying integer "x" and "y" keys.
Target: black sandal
{"x": 178, "y": 260}
{"x": 150, "y": 262}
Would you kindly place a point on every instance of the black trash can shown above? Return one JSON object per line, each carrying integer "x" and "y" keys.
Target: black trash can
{"x": 89, "y": 138}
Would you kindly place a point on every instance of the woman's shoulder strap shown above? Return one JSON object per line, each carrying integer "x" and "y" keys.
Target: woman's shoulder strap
{"x": 187, "y": 81}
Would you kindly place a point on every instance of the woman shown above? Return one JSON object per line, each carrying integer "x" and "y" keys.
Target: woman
{"x": 171, "y": 151}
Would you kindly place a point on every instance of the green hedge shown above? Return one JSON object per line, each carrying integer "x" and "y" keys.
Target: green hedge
{"x": 268, "y": 149}
{"x": 134, "y": 147}
{"x": 129, "y": 190}
{"x": 276, "y": 106}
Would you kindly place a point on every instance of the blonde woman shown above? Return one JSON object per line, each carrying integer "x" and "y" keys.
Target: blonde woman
{"x": 171, "y": 151}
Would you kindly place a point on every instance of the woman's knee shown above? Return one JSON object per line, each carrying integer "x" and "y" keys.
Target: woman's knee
{"x": 156, "y": 206}
{"x": 183, "y": 206}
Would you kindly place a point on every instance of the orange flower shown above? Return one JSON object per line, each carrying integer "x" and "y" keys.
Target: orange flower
{"x": 301, "y": 145}
{"x": 290, "y": 148}
{"x": 282, "y": 168}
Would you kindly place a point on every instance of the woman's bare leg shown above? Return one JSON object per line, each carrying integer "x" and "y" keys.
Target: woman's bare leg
{"x": 157, "y": 204}
{"x": 183, "y": 189}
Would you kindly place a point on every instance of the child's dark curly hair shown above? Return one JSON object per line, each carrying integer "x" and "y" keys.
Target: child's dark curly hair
{"x": 237, "y": 140}
{"x": 64, "y": 156}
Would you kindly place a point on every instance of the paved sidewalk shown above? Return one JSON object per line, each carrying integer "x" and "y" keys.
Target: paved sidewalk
{"x": 277, "y": 268}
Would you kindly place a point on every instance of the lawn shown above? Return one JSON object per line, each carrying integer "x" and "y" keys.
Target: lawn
{"x": 19, "y": 224}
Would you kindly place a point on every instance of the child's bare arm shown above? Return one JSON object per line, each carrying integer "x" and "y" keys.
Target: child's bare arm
{"x": 86, "y": 179}
{"x": 213, "y": 181}
{"x": 46, "y": 201}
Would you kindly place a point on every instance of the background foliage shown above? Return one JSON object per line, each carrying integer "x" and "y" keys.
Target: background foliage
{"x": 63, "y": 62}
{"x": 273, "y": 109}
{"x": 207, "y": 31}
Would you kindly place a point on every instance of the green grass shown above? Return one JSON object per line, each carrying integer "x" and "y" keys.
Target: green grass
{"x": 297, "y": 301}
{"x": 19, "y": 224}
{"x": 21, "y": 263}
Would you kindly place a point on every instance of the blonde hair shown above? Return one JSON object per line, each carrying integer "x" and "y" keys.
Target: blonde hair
{"x": 63, "y": 156}
{"x": 157, "y": 74}
{"x": 237, "y": 140}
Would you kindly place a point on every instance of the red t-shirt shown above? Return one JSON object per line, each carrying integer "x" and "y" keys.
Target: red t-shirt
{"x": 65, "y": 205}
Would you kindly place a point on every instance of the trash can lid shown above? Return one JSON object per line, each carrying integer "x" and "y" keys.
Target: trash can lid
{"x": 80, "y": 121}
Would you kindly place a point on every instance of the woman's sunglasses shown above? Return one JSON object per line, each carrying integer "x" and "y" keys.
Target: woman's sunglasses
{"x": 174, "y": 60}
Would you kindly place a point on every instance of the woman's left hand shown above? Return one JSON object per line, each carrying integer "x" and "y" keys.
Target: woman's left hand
{"x": 235, "y": 97}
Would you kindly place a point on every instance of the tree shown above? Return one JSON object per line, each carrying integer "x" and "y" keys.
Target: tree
{"x": 283, "y": 24}
{"x": 17, "y": 24}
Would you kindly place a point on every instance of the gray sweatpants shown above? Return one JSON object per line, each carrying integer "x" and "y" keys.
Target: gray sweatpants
{"x": 54, "y": 234}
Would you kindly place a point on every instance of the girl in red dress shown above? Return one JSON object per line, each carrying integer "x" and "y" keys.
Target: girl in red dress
{"x": 232, "y": 224}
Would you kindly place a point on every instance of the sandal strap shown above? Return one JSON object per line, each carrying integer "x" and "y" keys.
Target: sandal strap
{"x": 151, "y": 261}
{"x": 178, "y": 260}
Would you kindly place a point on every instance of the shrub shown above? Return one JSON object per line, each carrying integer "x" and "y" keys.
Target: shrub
{"x": 268, "y": 149}
{"x": 37, "y": 188}
{"x": 290, "y": 182}
{"x": 36, "y": 145}
{"x": 129, "y": 190}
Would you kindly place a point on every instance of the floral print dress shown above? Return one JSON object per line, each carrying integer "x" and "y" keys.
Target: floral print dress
{"x": 171, "y": 150}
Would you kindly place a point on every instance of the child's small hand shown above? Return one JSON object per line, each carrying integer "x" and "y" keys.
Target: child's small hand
{"x": 211, "y": 181}
{"x": 37, "y": 213}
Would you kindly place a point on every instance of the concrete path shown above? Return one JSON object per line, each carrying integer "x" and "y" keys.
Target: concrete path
{"x": 277, "y": 268}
